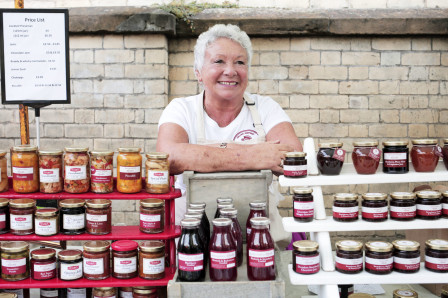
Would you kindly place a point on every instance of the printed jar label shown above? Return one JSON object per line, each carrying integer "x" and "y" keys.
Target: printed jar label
{"x": 407, "y": 263}
{"x": 76, "y": 293}
{"x": 45, "y": 227}
{"x": 71, "y": 271}
{"x": 436, "y": 263}
{"x": 307, "y": 265}
{"x": 13, "y": 266}
{"x": 130, "y": 173}
{"x": 49, "y": 293}
{"x": 375, "y": 154}
{"x": 157, "y": 177}
{"x": 96, "y": 221}
{"x": 46, "y": 271}
{"x": 23, "y": 173}
{"x": 374, "y": 213}
{"x": 395, "y": 160}
{"x": 19, "y": 292}
{"x": 75, "y": 172}
{"x": 49, "y": 175}
{"x": 429, "y": 210}
{"x": 150, "y": 221}
{"x": 113, "y": 296}
{"x": 194, "y": 262}
{"x": 153, "y": 266}
{"x": 2, "y": 221}
{"x": 125, "y": 294}
{"x": 222, "y": 259}
{"x": 379, "y": 264}
{"x": 303, "y": 209}
{"x": 445, "y": 209}
{"x": 295, "y": 171}
{"x": 348, "y": 264}
{"x": 339, "y": 154}
{"x": 21, "y": 222}
{"x": 73, "y": 221}
{"x": 438, "y": 151}
{"x": 125, "y": 265}
{"x": 100, "y": 176}
{"x": 403, "y": 212}
{"x": 93, "y": 266}
{"x": 261, "y": 258}
{"x": 345, "y": 212}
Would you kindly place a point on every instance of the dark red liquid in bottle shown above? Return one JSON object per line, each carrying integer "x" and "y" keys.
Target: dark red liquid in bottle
{"x": 235, "y": 230}
{"x": 192, "y": 259}
{"x": 223, "y": 258}
{"x": 257, "y": 209}
{"x": 260, "y": 251}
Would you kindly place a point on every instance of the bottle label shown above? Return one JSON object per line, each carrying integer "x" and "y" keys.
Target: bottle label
{"x": 153, "y": 266}
{"x": 436, "y": 263}
{"x": 45, "y": 227}
{"x": 21, "y": 222}
{"x": 379, "y": 264}
{"x": 73, "y": 221}
{"x": 222, "y": 259}
{"x": 49, "y": 175}
{"x": 307, "y": 265}
{"x": 374, "y": 213}
{"x": 375, "y": 154}
{"x": 46, "y": 271}
{"x": 71, "y": 271}
{"x": 2, "y": 221}
{"x": 349, "y": 264}
{"x": 303, "y": 209}
{"x": 157, "y": 177}
{"x": 49, "y": 293}
{"x": 407, "y": 263}
{"x": 130, "y": 173}
{"x": 75, "y": 172}
{"x": 395, "y": 160}
{"x": 193, "y": 262}
{"x": 23, "y": 173}
{"x": 295, "y": 171}
{"x": 125, "y": 265}
{"x": 150, "y": 221}
{"x": 403, "y": 212}
{"x": 93, "y": 266}
{"x": 13, "y": 266}
{"x": 76, "y": 293}
{"x": 429, "y": 210}
{"x": 261, "y": 258}
{"x": 345, "y": 212}
{"x": 100, "y": 176}
{"x": 339, "y": 154}
{"x": 444, "y": 209}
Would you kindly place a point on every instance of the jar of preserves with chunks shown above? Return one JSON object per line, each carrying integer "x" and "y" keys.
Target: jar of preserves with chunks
{"x": 50, "y": 171}
{"x": 157, "y": 172}
{"x": 4, "y": 186}
{"x": 102, "y": 170}
{"x": 129, "y": 170}
{"x": 76, "y": 170}
{"x": 25, "y": 169}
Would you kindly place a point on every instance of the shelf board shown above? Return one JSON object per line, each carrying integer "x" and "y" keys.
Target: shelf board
{"x": 330, "y": 225}
{"x": 334, "y": 277}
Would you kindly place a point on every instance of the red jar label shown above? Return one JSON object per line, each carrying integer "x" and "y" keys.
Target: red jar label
{"x": 429, "y": 210}
{"x": 130, "y": 173}
{"x": 2, "y": 221}
{"x": 436, "y": 263}
{"x": 23, "y": 173}
{"x": 374, "y": 213}
{"x": 339, "y": 154}
{"x": 261, "y": 258}
{"x": 222, "y": 259}
{"x": 158, "y": 177}
{"x": 409, "y": 264}
{"x": 96, "y": 221}
{"x": 295, "y": 171}
{"x": 193, "y": 262}
{"x": 379, "y": 264}
{"x": 345, "y": 212}
{"x": 100, "y": 176}
{"x": 375, "y": 154}
{"x": 395, "y": 160}
{"x": 307, "y": 265}
{"x": 303, "y": 209}
{"x": 49, "y": 175}
{"x": 348, "y": 264}
{"x": 13, "y": 266}
{"x": 445, "y": 209}
{"x": 93, "y": 266}
{"x": 150, "y": 221}
{"x": 403, "y": 212}
{"x": 75, "y": 172}
{"x": 46, "y": 271}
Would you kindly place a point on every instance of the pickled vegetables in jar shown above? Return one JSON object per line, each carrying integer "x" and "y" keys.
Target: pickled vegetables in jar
{"x": 50, "y": 171}
{"x": 76, "y": 170}
{"x": 157, "y": 172}
{"x": 102, "y": 170}
{"x": 3, "y": 172}
{"x": 129, "y": 170}
{"x": 25, "y": 168}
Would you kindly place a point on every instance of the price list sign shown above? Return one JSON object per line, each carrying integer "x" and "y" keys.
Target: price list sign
{"x": 34, "y": 56}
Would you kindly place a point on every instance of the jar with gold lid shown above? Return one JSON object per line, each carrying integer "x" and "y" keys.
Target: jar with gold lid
{"x": 374, "y": 207}
{"x": 70, "y": 264}
{"x": 104, "y": 292}
{"x": 152, "y": 259}
{"x": 98, "y": 216}
{"x": 395, "y": 157}
{"x": 345, "y": 207}
{"x": 22, "y": 216}
{"x": 73, "y": 217}
{"x": 379, "y": 259}
{"x": 366, "y": 157}
{"x": 25, "y": 169}
{"x": 406, "y": 256}
{"x": 330, "y": 158}
{"x": 96, "y": 261}
{"x": 429, "y": 204}
{"x": 43, "y": 264}
{"x": 102, "y": 170}
{"x": 46, "y": 221}
{"x": 436, "y": 255}
{"x": 129, "y": 170}
{"x": 4, "y": 216}
{"x": 425, "y": 155}
{"x": 295, "y": 165}
{"x": 305, "y": 257}
{"x": 402, "y": 206}
{"x": 51, "y": 179}
{"x": 152, "y": 216}
{"x": 15, "y": 260}
{"x": 349, "y": 256}
{"x": 360, "y": 295}
{"x": 10, "y": 295}
{"x": 76, "y": 170}
{"x": 405, "y": 293}
{"x": 145, "y": 292}
{"x": 157, "y": 172}
{"x": 4, "y": 186}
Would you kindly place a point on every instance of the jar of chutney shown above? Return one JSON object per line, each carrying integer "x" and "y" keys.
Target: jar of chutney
{"x": 157, "y": 173}
{"x": 425, "y": 155}
{"x": 70, "y": 264}
{"x": 305, "y": 257}
{"x": 4, "y": 185}
{"x": 330, "y": 158}
{"x": 436, "y": 255}
{"x": 151, "y": 259}
{"x": 402, "y": 206}
{"x": 72, "y": 217}
{"x": 22, "y": 216}
{"x": 129, "y": 170}
{"x": 15, "y": 260}
{"x": 303, "y": 204}
{"x": 46, "y": 221}
{"x": 25, "y": 169}
{"x": 366, "y": 157}
{"x": 295, "y": 165}
{"x": 76, "y": 170}
{"x": 379, "y": 258}
{"x": 43, "y": 264}
{"x": 98, "y": 216}
{"x": 395, "y": 157}
{"x": 4, "y": 216}
{"x": 349, "y": 256}
{"x": 429, "y": 205}
{"x": 124, "y": 259}
{"x": 374, "y": 207}
{"x": 51, "y": 179}
{"x": 345, "y": 207}
{"x": 96, "y": 259}
{"x": 102, "y": 171}
{"x": 406, "y": 256}
{"x": 152, "y": 216}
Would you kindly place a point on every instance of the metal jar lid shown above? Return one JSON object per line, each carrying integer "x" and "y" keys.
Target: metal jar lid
{"x": 72, "y": 203}
{"x": 404, "y": 293}
{"x": 406, "y": 245}
{"x": 142, "y": 290}
{"x": 14, "y": 246}
{"x": 349, "y": 245}
{"x": 196, "y": 210}
{"x": 229, "y": 212}
{"x": 190, "y": 220}
{"x": 129, "y": 150}
{"x": 24, "y": 148}
{"x": 225, "y": 205}
{"x": 50, "y": 152}
{"x": 428, "y": 194}
{"x": 76, "y": 149}
{"x": 437, "y": 244}
{"x": 98, "y": 203}
{"x": 69, "y": 254}
{"x": 193, "y": 215}
{"x": 152, "y": 246}
{"x": 257, "y": 205}
{"x": 152, "y": 203}
{"x": 374, "y": 196}
{"x": 157, "y": 155}
{"x": 259, "y": 221}
{"x": 305, "y": 245}
{"x": 197, "y": 204}
{"x": 345, "y": 197}
{"x": 379, "y": 246}
{"x": 101, "y": 153}
{"x": 222, "y": 222}
{"x": 43, "y": 253}
{"x": 96, "y": 246}
{"x": 124, "y": 245}
{"x": 424, "y": 142}
{"x": 4, "y": 202}
{"x": 46, "y": 212}
{"x": 330, "y": 145}
{"x": 295, "y": 154}
{"x": 8, "y": 295}
{"x": 303, "y": 190}
{"x": 402, "y": 195}
{"x": 222, "y": 200}
{"x": 365, "y": 144}
{"x": 22, "y": 203}
{"x": 2, "y": 153}
{"x": 360, "y": 295}
{"x": 395, "y": 143}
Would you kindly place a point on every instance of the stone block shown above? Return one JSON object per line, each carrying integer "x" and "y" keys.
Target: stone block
{"x": 360, "y": 116}
{"x": 443, "y": 88}
{"x": 418, "y": 130}
{"x": 389, "y": 87}
{"x": 329, "y": 116}
{"x": 82, "y": 86}
{"x": 418, "y": 102}
{"x": 320, "y": 130}
{"x": 388, "y": 131}
{"x": 388, "y": 73}
{"x": 301, "y": 87}
{"x": 300, "y": 44}
{"x": 114, "y": 71}
{"x": 141, "y": 130}
{"x": 330, "y": 58}
{"x": 87, "y": 100}
{"x": 156, "y": 86}
{"x": 154, "y": 71}
{"x": 152, "y": 116}
{"x": 328, "y": 72}
{"x": 84, "y": 131}
{"x": 303, "y": 116}
{"x": 406, "y": 4}
{"x": 439, "y": 44}
{"x": 114, "y": 131}
{"x": 145, "y": 101}
{"x": 421, "y": 44}
{"x": 360, "y": 58}
{"x": 358, "y": 73}
{"x": 438, "y": 73}
{"x": 114, "y": 116}
{"x": 156, "y": 56}
{"x": 418, "y": 73}
{"x": 181, "y": 44}
{"x": 114, "y": 56}
{"x": 267, "y": 44}
{"x": 328, "y": 87}
{"x": 358, "y": 130}
{"x": 178, "y": 73}
{"x": 140, "y": 56}
{"x": 390, "y": 58}
{"x": 358, "y": 102}
{"x": 388, "y": 102}
{"x": 391, "y": 43}
{"x": 269, "y": 73}
{"x": 113, "y": 101}
{"x": 84, "y": 116}
{"x": 420, "y": 59}
{"x": 132, "y": 218}
{"x": 299, "y": 101}
{"x": 83, "y": 71}
{"x": 181, "y": 59}
{"x": 419, "y": 116}
{"x": 178, "y": 88}
{"x": 435, "y": 131}
{"x": 330, "y": 43}
{"x": 8, "y": 116}
{"x": 298, "y": 72}
{"x": 358, "y": 87}
{"x": 113, "y": 86}
{"x": 146, "y": 41}
{"x": 113, "y": 42}
{"x": 389, "y": 116}
{"x": 419, "y": 88}
{"x": 53, "y": 131}
{"x": 270, "y": 58}
{"x": 301, "y": 130}
{"x": 329, "y": 101}
{"x": 268, "y": 86}
{"x": 57, "y": 115}
{"x": 444, "y": 59}
{"x": 86, "y": 42}
{"x": 299, "y": 58}
{"x": 83, "y": 56}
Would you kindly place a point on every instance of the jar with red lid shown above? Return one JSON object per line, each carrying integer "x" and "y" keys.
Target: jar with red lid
{"x": 145, "y": 292}
{"x": 366, "y": 157}
{"x": 303, "y": 204}
{"x": 395, "y": 157}
{"x": 260, "y": 251}
{"x": 76, "y": 170}
{"x": 46, "y": 221}
{"x": 152, "y": 216}
{"x": 152, "y": 259}
{"x": 98, "y": 216}
{"x": 349, "y": 256}
{"x": 129, "y": 170}
{"x": 43, "y": 264}
{"x": 295, "y": 165}
{"x": 305, "y": 257}
{"x": 104, "y": 292}
{"x": 25, "y": 169}
{"x": 124, "y": 259}
{"x": 436, "y": 255}
{"x": 15, "y": 260}
{"x": 445, "y": 204}
{"x": 374, "y": 207}
{"x": 102, "y": 171}
{"x": 429, "y": 205}
{"x": 70, "y": 264}
{"x": 379, "y": 258}
{"x": 96, "y": 259}
{"x": 4, "y": 185}
{"x": 402, "y": 206}
{"x": 73, "y": 216}
{"x": 257, "y": 209}
{"x": 406, "y": 256}
{"x": 50, "y": 171}
{"x": 223, "y": 262}
{"x": 345, "y": 207}
{"x": 22, "y": 216}
{"x": 425, "y": 155}
{"x": 330, "y": 158}
{"x": 235, "y": 230}
{"x": 4, "y": 216}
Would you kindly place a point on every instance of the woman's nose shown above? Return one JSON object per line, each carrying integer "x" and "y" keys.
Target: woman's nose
{"x": 230, "y": 69}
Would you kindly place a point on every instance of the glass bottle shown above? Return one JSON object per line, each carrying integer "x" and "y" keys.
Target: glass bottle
{"x": 260, "y": 251}
{"x": 205, "y": 224}
{"x": 221, "y": 200}
{"x": 236, "y": 231}
{"x": 222, "y": 252}
{"x": 257, "y": 209}
{"x": 222, "y": 206}
{"x": 204, "y": 221}
{"x": 204, "y": 238}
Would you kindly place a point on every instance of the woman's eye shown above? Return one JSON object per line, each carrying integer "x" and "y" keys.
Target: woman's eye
{"x": 240, "y": 62}
{"x": 219, "y": 61}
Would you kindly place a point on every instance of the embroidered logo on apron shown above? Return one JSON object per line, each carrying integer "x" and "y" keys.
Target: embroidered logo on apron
{"x": 245, "y": 135}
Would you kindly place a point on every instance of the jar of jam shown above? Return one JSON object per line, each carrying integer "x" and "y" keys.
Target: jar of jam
{"x": 98, "y": 216}
{"x": 15, "y": 260}
{"x": 395, "y": 157}
{"x": 404, "y": 293}
{"x": 374, "y": 207}
{"x": 436, "y": 255}
{"x": 345, "y": 290}
{"x": 303, "y": 204}
{"x": 124, "y": 259}
{"x": 157, "y": 172}
{"x": 205, "y": 223}
{"x": 102, "y": 171}
{"x": 152, "y": 216}
{"x": 425, "y": 155}
{"x": 445, "y": 153}
{"x": 4, "y": 186}
{"x": 429, "y": 205}
{"x": 257, "y": 209}
{"x": 379, "y": 259}
{"x": 444, "y": 204}
{"x": 76, "y": 170}
{"x": 43, "y": 264}
{"x": 104, "y": 292}
{"x": 260, "y": 251}
{"x": 330, "y": 158}
{"x": 349, "y": 256}
{"x": 406, "y": 256}
{"x": 25, "y": 169}
{"x": 49, "y": 293}
{"x": 70, "y": 264}
{"x": 366, "y": 157}
{"x": 345, "y": 207}
{"x": 144, "y": 292}
{"x": 4, "y": 216}
{"x": 222, "y": 252}
{"x": 22, "y": 216}
{"x": 151, "y": 259}
{"x": 46, "y": 221}
{"x": 50, "y": 171}
{"x": 96, "y": 262}
{"x": 129, "y": 170}
{"x": 125, "y": 292}
{"x": 305, "y": 257}
{"x": 402, "y": 206}
{"x": 235, "y": 230}
{"x": 295, "y": 165}
{"x": 73, "y": 216}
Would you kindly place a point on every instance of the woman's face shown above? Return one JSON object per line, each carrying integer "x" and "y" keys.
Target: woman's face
{"x": 225, "y": 70}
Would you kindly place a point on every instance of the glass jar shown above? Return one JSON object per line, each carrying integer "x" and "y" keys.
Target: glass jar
{"x": 366, "y": 157}
{"x": 330, "y": 158}
{"x": 222, "y": 252}
{"x": 345, "y": 290}
{"x": 345, "y": 207}
{"x": 104, "y": 292}
{"x": 360, "y": 295}
{"x": 402, "y": 206}
{"x": 73, "y": 216}
{"x": 96, "y": 264}
{"x": 4, "y": 186}
{"x": 46, "y": 221}
{"x": 379, "y": 259}
{"x": 235, "y": 230}
{"x": 98, "y": 216}
{"x": 429, "y": 205}
{"x": 436, "y": 255}
{"x": 144, "y": 292}
{"x": 43, "y": 264}
{"x": 50, "y": 171}
{"x": 404, "y": 293}
{"x": 305, "y": 257}
{"x": 406, "y": 256}
{"x": 295, "y": 165}
{"x": 191, "y": 252}
{"x": 70, "y": 264}
{"x": 152, "y": 259}
{"x": 125, "y": 292}
{"x": 444, "y": 202}
{"x": 395, "y": 157}
{"x": 349, "y": 256}
{"x": 425, "y": 155}
{"x": 49, "y": 293}
{"x": 374, "y": 207}
{"x": 76, "y": 292}
{"x": 129, "y": 170}
{"x": 444, "y": 293}
{"x": 257, "y": 209}
{"x": 152, "y": 216}
{"x": 15, "y": 260}
{"x": 303, "y": 204}
{"x": 157, "y": 172}
{"x": 102, "y": 171}
{"x": 4, "y": 216}
{"x": 76, "y": 170}
{"x": 21, "y": 293}
{"x": 124, "y": 259}
{"x": 445, "y": 153}
{"x": 260, "y": 251}
{"x": 205, "y": 223}
{"x": 25, "y": 169}
{"x": 22, "y": 216}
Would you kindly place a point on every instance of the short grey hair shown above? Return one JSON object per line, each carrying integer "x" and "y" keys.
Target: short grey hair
{"x": 229, "y": 31}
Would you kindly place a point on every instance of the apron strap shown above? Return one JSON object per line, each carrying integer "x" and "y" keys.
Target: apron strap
{"x": 200, "y": 129}
{"x": 255, "y": 117}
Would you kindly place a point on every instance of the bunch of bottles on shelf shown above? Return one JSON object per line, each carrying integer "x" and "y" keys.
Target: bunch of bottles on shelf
{"x": 381, "y": 257}
{"x": 366, "y": 157}
{"x": 78, "y": 170}
{"x": 403, "y": 206}
{"x": 223, "y": 250}
{"x": 73, "y": 217}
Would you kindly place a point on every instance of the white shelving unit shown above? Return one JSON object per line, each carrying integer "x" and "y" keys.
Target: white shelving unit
{"x": 319, "y": 228}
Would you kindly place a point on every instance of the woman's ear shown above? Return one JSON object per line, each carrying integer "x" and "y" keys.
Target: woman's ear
{"x": 198, "y": 75}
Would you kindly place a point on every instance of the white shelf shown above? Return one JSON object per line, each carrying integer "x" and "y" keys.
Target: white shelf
{"x": 334, "y": 277}
{"x": 330, "y": 225}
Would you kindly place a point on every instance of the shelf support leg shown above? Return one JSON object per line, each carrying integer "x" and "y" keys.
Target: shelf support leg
{"x": 319, "y": 205}
{"x": 326, "y": 255}
{"x": 327, "y": 291}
